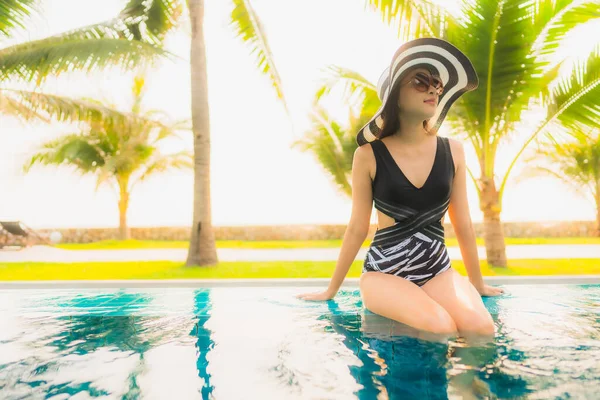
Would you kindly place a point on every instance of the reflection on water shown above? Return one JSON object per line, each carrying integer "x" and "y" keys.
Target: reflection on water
{"x": 400, "y": 367}
{"x": 204, "y": 343}
{"x": 227, "y": 343}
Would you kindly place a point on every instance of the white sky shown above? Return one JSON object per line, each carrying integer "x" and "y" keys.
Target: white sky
{"x": 257, "y": 179}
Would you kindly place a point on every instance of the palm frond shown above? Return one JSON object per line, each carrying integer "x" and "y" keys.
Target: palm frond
{"x": 158, "y": 16}
{"x": 248, "y": 27}
{"x": 414, "y": 18}
{"x": 574, "y": 104}
{"x": 105, "y": 175}
{"x": 355, "y": 85}
{"x": 36, "y": 60}
{"x": 134, "y": 35}
{"x": 536, "y": 171}
{"x": 162, "y": 163}
{"x": 575, "y": 99}
{"x": 30, "y": 104}
{"x": 140, "y": 20}
{"x": 574, "y": 160}
{"x": 13, "y": 13}
{"x": 74, "y": 150}
{"x": 12, "y": 105}
{"x": 497, "y": 37}
{"x": 170, "y": 130}
{"x": 559, "y": 18}
{"x": 332, "y": 146}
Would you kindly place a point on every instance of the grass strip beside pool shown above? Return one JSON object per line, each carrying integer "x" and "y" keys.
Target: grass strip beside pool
{"x": 249, "y": 270}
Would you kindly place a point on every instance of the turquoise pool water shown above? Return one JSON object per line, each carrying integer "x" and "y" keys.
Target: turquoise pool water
{"x": 263, "y": 343}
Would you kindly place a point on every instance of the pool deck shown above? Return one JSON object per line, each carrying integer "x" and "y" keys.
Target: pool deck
{"x": 52, "y": 254}
{"x": 278, "y": 283}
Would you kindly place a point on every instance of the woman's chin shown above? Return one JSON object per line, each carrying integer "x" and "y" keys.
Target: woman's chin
{"x": 426, "y": 113}
{"x": 429, "y": 112}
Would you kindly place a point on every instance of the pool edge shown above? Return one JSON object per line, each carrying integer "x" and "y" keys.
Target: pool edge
{"x": 305, "y": 282}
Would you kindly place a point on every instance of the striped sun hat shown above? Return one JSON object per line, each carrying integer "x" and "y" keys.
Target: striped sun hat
{"x": 442, "y": 59}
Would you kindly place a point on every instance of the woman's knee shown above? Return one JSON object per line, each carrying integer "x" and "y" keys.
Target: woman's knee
{"x": 365, "y": 284}
{"x": 440, "y": 322}
{"x": 431, "y": 317}
{"x": 478, "y": 324}
{"x": 366, "y": 277}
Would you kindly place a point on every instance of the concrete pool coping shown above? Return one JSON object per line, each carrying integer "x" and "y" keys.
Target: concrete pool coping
{"x": 269, "y": 282}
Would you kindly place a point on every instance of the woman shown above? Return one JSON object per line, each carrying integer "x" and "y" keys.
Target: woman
{"x": 413, "y": 177}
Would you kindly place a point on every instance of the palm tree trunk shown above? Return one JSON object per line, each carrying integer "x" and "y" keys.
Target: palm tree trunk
{"x": 202, "y": 249}
{"x": 493, "y": 233}
{"x": 123, "y": 206}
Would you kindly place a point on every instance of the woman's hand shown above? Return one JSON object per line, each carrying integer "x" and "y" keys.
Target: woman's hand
{"x": 326, "y": 295}
{"x": 487, "y": 290}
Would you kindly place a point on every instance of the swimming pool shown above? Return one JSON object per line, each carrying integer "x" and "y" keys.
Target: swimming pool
{"x": 263, "y": 343}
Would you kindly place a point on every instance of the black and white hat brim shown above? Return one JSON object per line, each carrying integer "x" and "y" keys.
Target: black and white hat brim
{"x": 439, "y": 56}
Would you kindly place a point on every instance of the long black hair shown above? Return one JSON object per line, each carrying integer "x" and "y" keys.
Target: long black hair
{"x": 390, "y": 114}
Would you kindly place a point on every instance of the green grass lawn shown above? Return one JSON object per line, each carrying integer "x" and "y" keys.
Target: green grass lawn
{"x": 271, "y": 269}
{"x": 289, "y": 244}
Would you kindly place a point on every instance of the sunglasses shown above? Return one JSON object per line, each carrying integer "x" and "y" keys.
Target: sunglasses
{"x": 422, "y": 82}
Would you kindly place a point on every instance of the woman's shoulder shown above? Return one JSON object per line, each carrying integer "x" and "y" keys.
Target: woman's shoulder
{"x": 457, "y": 151}
{"x": 365, "y": 151}
{"x": 456, "y": 146}
{"x": 364, "y": 157}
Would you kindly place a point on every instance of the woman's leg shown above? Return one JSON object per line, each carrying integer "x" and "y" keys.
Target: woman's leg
{"x": 401, "y": 300}
{"x": 463, "y": 302}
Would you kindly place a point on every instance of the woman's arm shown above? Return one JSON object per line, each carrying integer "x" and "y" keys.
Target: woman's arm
{"x": 358, "y": 226}
{"x": 461, "y": 217}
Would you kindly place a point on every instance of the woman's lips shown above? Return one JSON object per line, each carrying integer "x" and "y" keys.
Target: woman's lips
{"x": 432, "y": 102}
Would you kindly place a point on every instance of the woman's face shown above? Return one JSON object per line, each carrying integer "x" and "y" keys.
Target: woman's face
{"x": 418, "y": 104}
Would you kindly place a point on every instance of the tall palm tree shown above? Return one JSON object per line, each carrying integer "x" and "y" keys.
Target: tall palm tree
{"x": 202, "y": 250}
{"x": 511, "y": 57}
{"x": 509, "y": 43}
{"x": 130, "y": 39}
{"x": 247, "y": 26}
{"x": 120, "y": 156}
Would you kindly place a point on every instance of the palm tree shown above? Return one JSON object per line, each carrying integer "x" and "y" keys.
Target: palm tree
{"x": 247, "y": 26}
{"x": 509, "y": 43}
{"x": 202, "y": 250}
{"x": 511, "y": 57}
{"x": 130, "y": 39}
{"x": 133, "y": 36}
{"x": 121, "y": 156}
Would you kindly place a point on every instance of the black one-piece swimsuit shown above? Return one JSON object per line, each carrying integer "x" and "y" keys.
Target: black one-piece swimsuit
{"x": 414, "y": 247}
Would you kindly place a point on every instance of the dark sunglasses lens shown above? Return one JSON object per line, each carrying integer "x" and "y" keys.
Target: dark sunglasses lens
{"x": 421, "y": 83}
